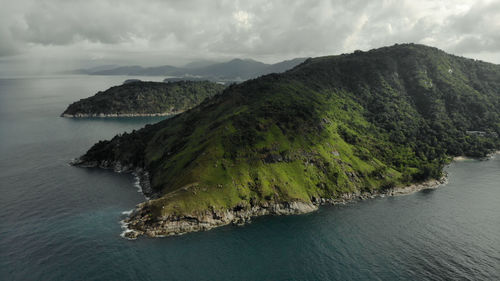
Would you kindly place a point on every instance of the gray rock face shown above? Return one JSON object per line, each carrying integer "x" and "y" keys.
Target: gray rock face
{"x": 139, "y": 224}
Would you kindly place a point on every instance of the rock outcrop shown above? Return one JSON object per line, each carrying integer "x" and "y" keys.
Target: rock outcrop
{"x": 140, "y": 221}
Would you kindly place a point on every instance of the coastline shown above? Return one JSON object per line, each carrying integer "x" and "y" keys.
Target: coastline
{"x": 111, "y": 115}
{"x": 467, "y": 158}
{"x": 139, "y": 223}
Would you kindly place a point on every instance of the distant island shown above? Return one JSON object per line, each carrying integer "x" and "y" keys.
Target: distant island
{"x": 331, "y": 130}
{"x": 236, "y": 70}
{"x": 137, "y": 98}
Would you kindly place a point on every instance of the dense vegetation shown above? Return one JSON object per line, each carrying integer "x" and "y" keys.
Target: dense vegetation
{"x": 136, "y": 97}
{"x": 355, "y": 122}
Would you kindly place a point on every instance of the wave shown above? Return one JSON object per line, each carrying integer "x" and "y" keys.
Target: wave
{"x": 127, "y": 212}
{"x": 124, "y": 227}
{"x": 137, "y": 184}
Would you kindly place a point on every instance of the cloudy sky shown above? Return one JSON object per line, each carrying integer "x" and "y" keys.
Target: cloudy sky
{"x": 43, "y": 35}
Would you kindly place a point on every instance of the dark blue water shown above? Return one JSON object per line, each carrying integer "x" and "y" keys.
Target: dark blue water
{"x": 59, "y": 222}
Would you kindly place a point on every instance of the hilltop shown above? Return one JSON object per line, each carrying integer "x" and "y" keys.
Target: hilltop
{"x": 328, "y": 130}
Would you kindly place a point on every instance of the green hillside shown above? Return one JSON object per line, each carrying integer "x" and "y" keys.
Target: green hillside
{"x": 360, "y": 122}
{"x": 144, "y": 98}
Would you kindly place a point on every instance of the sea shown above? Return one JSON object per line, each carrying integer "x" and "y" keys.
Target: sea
{"x": 59, "y": 222}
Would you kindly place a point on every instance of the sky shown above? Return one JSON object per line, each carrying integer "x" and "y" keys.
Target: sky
{"x": 40, "y": 36}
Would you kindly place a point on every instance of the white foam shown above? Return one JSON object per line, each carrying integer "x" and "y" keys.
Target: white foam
{"x": 126, "y": 230}
{"x": 137, "y": 184}
{"x": 495, "y": 154}
{"x": 127, "y": 212}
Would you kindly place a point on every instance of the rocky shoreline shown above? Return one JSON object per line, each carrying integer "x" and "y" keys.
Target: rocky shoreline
{"x": 139, "y": 222}
{"x": 107, "y": 115}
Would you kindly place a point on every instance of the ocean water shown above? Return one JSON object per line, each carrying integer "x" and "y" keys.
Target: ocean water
{"x": 59, "y": 222}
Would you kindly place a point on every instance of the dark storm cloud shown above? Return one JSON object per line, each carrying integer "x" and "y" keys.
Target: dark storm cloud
{"x": 145, "y": 31}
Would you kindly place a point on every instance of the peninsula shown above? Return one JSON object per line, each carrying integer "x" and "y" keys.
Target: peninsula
{"x": 329, "y": 130}
{"x": 137, "y": 98}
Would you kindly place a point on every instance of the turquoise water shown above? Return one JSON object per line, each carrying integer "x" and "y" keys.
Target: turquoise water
{"x": 62, "y": 223}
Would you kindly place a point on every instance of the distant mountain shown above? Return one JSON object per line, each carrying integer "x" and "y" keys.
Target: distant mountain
{"x": 91, "y": 69}
{"x": 199, "y": 64}
{"x": 284, "y": 65}
{"x": 233, "y": 70}
{"x": 140, "y": 71}
{"x": 236, "y": 69}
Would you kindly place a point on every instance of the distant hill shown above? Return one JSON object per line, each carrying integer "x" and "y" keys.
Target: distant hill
{"x": 236, "y": 69}
{"x": 199, "y": 64}
{"x": 91, "y": 69}
{"x": 284, "y": 65}
{"x": 140, "y": 71}
{"x": 233, "y": 70}
{"x": 136, "y": 98}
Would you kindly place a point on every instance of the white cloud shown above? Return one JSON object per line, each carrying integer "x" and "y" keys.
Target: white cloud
{"x": 160, "y": 32}
{"x": 242, "y": 19}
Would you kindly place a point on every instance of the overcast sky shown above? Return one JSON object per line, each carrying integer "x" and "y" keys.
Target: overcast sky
{"x": 38, "y": 35}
